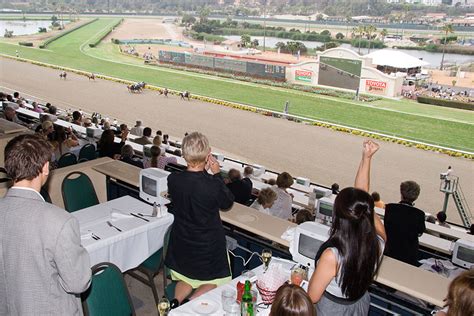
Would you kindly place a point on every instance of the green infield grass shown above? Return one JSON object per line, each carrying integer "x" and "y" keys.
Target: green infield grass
{"x": 445, "y": 127}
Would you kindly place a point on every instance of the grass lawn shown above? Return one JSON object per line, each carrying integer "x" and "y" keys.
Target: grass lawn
{"x": 455, "y": 130}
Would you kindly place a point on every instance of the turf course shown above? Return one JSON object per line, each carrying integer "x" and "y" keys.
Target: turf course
{"x": 72, "y": 50}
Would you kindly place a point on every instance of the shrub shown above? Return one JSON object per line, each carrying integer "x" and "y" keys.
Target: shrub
{"x": 28, "y": 44}
{"x": 446, "y": 103}
{"x": 104, "y": 35}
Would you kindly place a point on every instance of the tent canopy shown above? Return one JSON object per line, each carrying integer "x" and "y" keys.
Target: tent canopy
{"x": 395, "y": 59}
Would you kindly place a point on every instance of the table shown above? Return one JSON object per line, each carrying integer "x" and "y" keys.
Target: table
{"x": 127, "y": 249}
{"x": 120, "y": 170}
{"x": 215, "y": 294}
{"x": 7, "y": 127}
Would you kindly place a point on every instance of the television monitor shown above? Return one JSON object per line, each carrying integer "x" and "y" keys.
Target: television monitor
{"x": 324, "y": 209}
{"x": 307, "y": 239}
{"x": 153, "y": 185}
{"x": 463, "y": 253}
{"x": 322, "y": 192}
{"x": 93, "y": 132}
{"x": 303, "y": 181}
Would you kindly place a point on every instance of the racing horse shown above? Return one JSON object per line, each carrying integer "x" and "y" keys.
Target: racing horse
{"x": 90, "y": 76}
{"x": 63, "y": 75}
{"x": 136, "y": 87}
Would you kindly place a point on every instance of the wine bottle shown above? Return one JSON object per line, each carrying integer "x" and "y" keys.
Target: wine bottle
{"x": 246, "y": 306}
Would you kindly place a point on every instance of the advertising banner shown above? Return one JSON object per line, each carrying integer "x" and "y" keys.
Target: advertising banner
{"x": 304, "y": 75}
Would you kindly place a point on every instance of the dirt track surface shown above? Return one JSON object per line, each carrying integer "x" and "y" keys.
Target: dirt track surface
{"x": 320, "y": 154}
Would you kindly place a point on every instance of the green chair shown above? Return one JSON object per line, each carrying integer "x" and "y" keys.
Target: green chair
{"x": 108, "y": 293}
{"x": 87, "y": 152}
{"x": 68, "y": 159}
{"x": 78, "y": 192}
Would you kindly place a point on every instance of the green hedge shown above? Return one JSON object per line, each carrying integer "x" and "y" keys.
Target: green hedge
{"x": 296, "y": 36}
{"x": 52, "y": 39}
{"x": 104, "y": 35}
{"x": 446, "y": 103}
{"x": 28, "y": 44}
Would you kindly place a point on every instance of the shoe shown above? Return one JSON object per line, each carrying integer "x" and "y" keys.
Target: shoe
{"x": 174, "y": 303}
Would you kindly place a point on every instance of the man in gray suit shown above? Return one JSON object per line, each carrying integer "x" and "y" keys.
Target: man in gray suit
{"x": 146, "y": 138}
{"x": 43, "y": 267}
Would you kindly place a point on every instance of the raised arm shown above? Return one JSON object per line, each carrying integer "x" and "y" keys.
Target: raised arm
{"x": 362, "y": 180}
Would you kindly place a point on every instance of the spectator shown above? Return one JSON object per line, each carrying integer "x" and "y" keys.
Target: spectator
{"x": 165, "y": 139}
{"x": 241, "y": 190}
{"x": 304, "y": 216}
{"x": 177, "y": 152}
{"x": 441, "y": 217}
{"x": 106, "y": 126}
{"x": 145, "y": 139}
{"x": 87, "y": 122}
{"x": 9, "y": 114}
{"x": 460, "y": 299}
{"x": 248, "y": 172}
{"x": 471, "y": 229}
{"x": 63, "y": 140}
{"x": 44, "y": 266}
{"x": 36, "y": 108}
{"x": 377, "y": 201}
{"x": 431, "y": 219}
{"x": 282, "y": 206}
{"x": 197, "y": 252}
{"x": 155, "y": 152}
{"x": 157, "y": 140}
{"x": 270, "y": 181}
{"x": 16, "y": 95}
{"x": 163, "y": 160}
{"x": 53, "y": 110}
{"x": 137, "y": 129}
{"x": 109, "y": 148}
{"x": 77, "y": 118}
{"x": 292, "y": 300}
{"x": 159, "y": 133}
{"x": 47, "y": 130}
{"x": 404, "y": 223}
{"x": 127, "y": 156}
{"x": 265, "y": 200}
{"x": 348, "y": 261}
{"x": 335, "y": 188}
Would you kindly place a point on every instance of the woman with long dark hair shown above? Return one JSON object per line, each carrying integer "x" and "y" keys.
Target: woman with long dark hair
{"x": 348, "y": 261}
{"x": 107, "y": 145}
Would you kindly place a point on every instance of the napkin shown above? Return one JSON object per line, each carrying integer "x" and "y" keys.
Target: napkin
{"x": 86, "y": 235}
{"x": 118, "y": 215}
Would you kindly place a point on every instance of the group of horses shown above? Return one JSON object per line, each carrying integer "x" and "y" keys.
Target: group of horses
{"x": 136, "y": 87}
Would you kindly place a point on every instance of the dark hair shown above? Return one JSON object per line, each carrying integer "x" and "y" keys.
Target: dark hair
{"x": 155, "y": 153}
{"x": 409, "y": 191}
{"x": 335, "y": 188}
{"x": 52, "y": 110}
{"x": 441, "y": 216}
{"x": 126, "y": 151}
{"x": 25, "y": 156}
{"x": 471, "y": 229}
{"x": 234, "y": 175}
{"x": 284, "y": 180}
{"x": 16, "y": 95}
{"x": 76, "y": 115}
{"x": 303, "y": 216}
{"x": 292, "y": 300}
{"x": 460, "y": 299}
{"x": 107, "y": 138}
{"x": 353, "y": 234}
{"x": 158, "y": 132}
{"x": 375, "y": 196}
{"x": 147, "y": 132}
{"x": 431, "y": 219}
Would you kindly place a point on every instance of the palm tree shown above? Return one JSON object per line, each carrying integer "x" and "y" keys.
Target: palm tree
{"x": 370, "y": 31}
{"x": 359, "y": 31}
{"x": 383, "y": 34}
{"x": 447, "y": 28}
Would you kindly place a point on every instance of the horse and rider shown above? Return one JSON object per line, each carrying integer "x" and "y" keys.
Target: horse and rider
{"x": 63, "y": 75}
{"x": 136, "y": 87}
{"x": 185, "y": 95}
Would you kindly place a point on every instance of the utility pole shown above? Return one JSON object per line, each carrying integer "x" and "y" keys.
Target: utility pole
{"x": 264, "y": 23}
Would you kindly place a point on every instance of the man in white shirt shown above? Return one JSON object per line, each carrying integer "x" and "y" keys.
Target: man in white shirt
{"x": 137, "y": 129}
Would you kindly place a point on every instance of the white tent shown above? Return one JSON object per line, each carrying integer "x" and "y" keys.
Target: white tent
{"x": 395, "y": 59}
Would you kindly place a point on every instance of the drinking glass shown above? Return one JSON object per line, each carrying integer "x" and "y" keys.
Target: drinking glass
{"x": 266, "y": 258}
{"x": 228, "y": 297}
{"x": 163, "y": 307}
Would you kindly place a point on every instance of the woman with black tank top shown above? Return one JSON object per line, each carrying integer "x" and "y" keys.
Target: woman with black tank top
{"x": 348, "y": 261}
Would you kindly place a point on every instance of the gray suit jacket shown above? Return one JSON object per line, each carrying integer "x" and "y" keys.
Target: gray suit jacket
{"x": 143, "y": 140}
{"x": 43, "y": 267}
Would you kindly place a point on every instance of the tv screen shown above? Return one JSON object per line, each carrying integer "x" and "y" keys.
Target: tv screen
{"x": 149, "y": 186}
{"x": 308, "y": 246}
{"x": 465, "y": 254}
{"x": 325, "y": 209}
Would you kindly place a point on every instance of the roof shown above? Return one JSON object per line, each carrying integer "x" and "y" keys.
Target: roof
{"x": 396, "y": 59}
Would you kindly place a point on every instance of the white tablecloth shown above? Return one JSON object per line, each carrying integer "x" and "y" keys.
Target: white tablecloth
{"x": 127, "y": 249}
{"x": 214, "y": 296}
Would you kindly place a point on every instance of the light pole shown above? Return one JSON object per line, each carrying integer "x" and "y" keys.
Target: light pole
{"x": 264, "y": 23}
